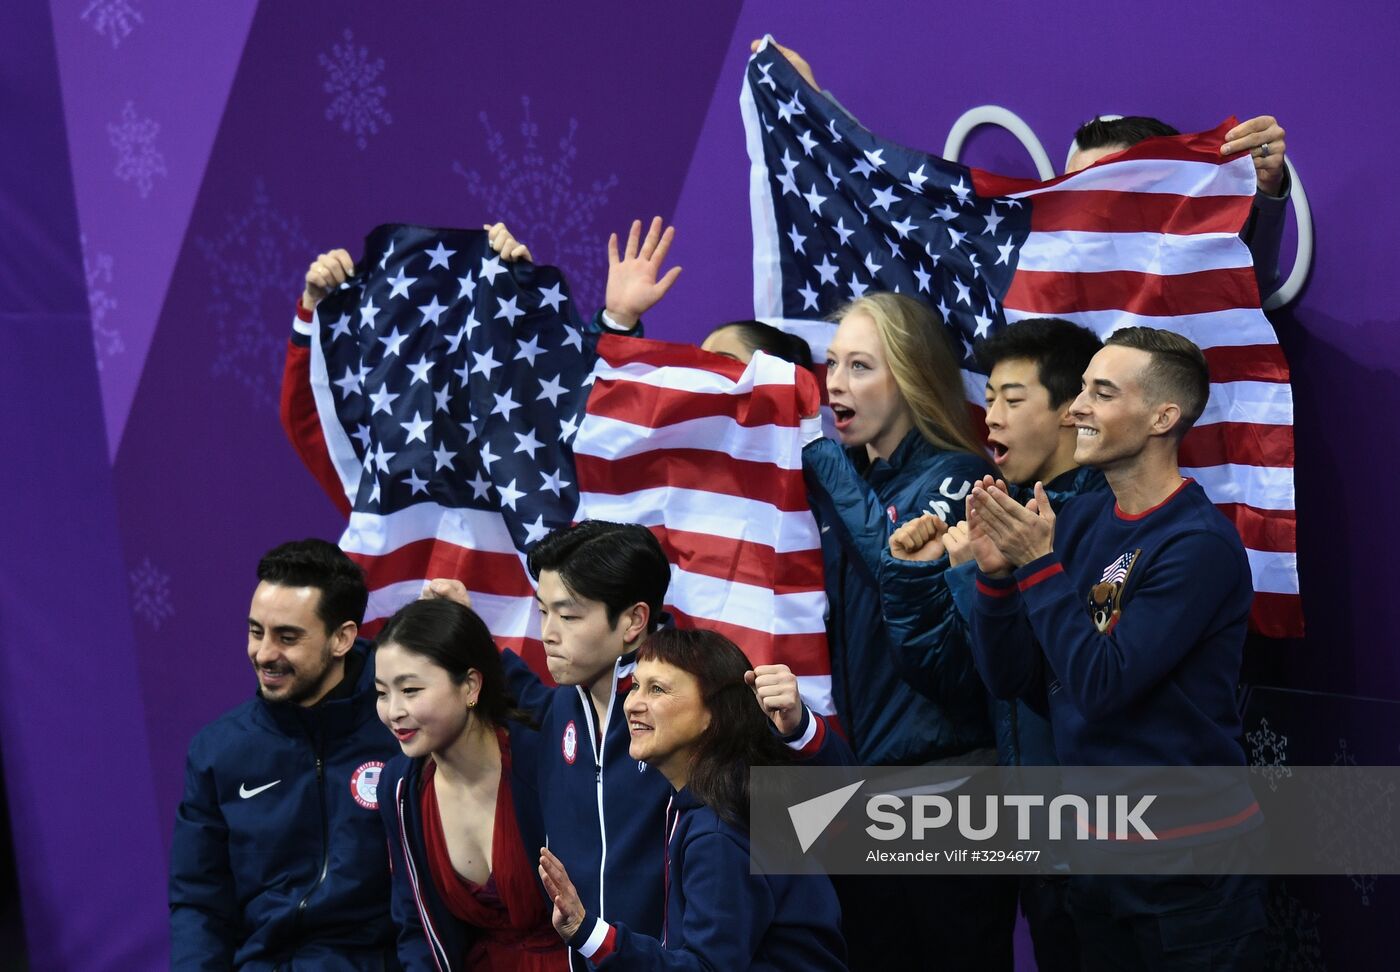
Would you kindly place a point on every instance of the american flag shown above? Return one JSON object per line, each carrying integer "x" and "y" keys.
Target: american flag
{"x": 1117, "y": 572}
{"x": 455, "y": 407}
{"x": 1149, "y": 237}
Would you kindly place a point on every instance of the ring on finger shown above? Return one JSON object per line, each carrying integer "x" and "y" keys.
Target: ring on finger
{"x": 1264, "y": 151}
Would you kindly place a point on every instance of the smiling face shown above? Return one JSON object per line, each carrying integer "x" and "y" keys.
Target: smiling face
{"x": 296, "y": 659}
{"x": 418, "y": 700}
{"x": 666, "y": 716}
{"x": 869, "y": 409}
{"x": 1031, "y": 440}
{"x": 1112, "y": 415}
{"x": 580, "y": 646}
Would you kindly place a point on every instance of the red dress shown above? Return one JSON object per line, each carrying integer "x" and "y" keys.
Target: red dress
{"x": 509, "y": 910}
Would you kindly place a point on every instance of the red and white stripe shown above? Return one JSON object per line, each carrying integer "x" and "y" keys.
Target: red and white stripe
{"x": 704, "y": 452}
{"x": 402, "y": 551}
{"x": 708, "y": 454}
{"x": 1149, "y": 237}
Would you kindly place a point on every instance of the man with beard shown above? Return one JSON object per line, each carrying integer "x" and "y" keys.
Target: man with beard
{"x": 279, "y": 855}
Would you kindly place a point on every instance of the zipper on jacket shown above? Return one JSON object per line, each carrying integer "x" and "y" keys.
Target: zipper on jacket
{"x": 599, "y": 740}
{"x": 440, "y": 958}
{"x": 325, "y": 838}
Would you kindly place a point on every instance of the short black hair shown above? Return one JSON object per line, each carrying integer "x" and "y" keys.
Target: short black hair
{"x": 1177, "y": 372}
{"x": 771, "y": 340}
{"x": 316, "y": 563}
{"x": 1060, "y": 349}
{"x": 617, "y": 564}
{"x": 1128, "y": 130}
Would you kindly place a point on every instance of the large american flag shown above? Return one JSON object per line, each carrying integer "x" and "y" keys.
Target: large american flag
{"x": 456, "y": 408}
{"x": 1150, "y": 237}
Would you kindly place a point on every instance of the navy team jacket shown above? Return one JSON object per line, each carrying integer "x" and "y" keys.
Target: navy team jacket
{"x": 718, "y": 915}
{"x": 903, "y": 705}
{"x": 604, "y": 813}
{"x": 278, "y": 859}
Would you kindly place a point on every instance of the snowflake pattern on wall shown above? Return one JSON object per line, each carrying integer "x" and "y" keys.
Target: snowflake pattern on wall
{"x": 536, "y": 196}
{"x": 97, "y": 270}
{"x": 1268, "y": 753}
{"x": 255, "y": 271}
{"x": 1352, "y": 818}
{"x": 1294, "y": 942}
{"x": 357, "y": 99}
{"x": 113, "y": 19}
{"x": 150, "y": 594}
{"x": 138, "y": 159}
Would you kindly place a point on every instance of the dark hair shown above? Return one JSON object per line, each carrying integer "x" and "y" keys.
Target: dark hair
{"x": 739, "y": 735}
{"x": 759, "y": 336}
{"x": 1128, "y": 130}
{"x": 1060, "y": 349}
{"x": 1177, "y": 373}
{"x": 617, "y": 564}
{"x": 454, "y": 638}
{"x": 316, "y": 563}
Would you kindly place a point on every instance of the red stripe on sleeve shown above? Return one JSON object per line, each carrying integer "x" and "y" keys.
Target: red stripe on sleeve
{"x": 818, "y": 737}
{"x": 1043, "y": 574}
{"x": 607, "y": 948}
{"x": 303, "y": 425}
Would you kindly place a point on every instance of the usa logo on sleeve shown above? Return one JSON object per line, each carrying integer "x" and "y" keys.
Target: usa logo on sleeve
{"x": 570, "y": 743}
{"x": 364, "y": 784}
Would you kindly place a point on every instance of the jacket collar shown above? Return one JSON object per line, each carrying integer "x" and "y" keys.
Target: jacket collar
{"x": 684, "y": 799}
{"x": 911, "y": 449}
{"x": 343, "y": 709}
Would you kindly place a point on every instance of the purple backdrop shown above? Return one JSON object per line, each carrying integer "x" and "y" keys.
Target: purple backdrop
{"x": 182, "y": 164}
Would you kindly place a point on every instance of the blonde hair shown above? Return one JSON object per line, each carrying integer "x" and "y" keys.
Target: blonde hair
{"x": 923, "y": 367}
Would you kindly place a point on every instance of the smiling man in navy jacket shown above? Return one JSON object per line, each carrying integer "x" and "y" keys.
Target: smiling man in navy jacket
{"x": 1129, "y": 609}
{"x": 279, "y": 858}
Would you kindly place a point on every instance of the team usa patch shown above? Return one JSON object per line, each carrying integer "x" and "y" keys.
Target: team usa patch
{"x": 891, "y": 513}
{"x": 570, "y": 743}
{"x": 1106, "y": 597}
{"x": 364, "y": 784}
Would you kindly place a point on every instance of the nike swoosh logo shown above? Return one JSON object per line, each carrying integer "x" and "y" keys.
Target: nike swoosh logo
{"x": 245, "y": 793}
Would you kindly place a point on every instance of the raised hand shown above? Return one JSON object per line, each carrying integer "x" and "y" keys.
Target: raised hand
{"x": 990, "y": 560}
{"x": 633, "y": 287}
{"x": 327, "y": 272}
{"x": 776, "y": 689}
{"x": 958, "y": 545}
{"x": 447, "y": 588}
{"x": 920, "y": 539}
{"x": 568, "y": 909}
{"x": 505, "y": 244}
{"x": 1262, "y": 138}
{"x": 1020, "y": 533}
{"x": 798, "y": 62}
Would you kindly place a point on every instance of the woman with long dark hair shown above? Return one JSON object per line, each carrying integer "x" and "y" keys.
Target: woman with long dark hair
{"x": 459, "y": 804}
{"x": 693, "y": 715}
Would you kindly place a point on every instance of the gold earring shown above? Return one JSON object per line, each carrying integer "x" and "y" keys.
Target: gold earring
{"x": 471, "y": 704}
